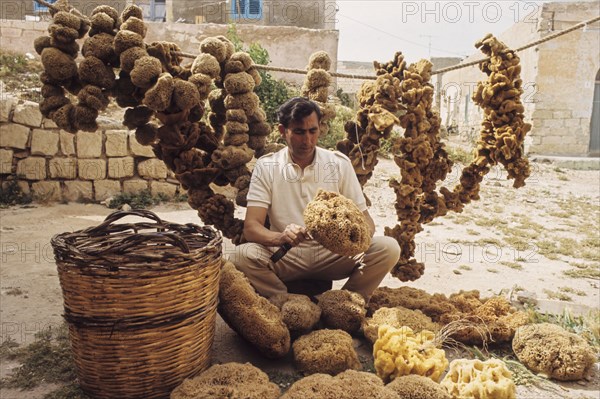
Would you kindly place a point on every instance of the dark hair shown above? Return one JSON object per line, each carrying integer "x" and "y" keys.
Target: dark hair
{"x": 295, "y": 109}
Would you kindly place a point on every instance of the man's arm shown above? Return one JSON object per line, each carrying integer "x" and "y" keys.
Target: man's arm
{"x": 255, "y": 230}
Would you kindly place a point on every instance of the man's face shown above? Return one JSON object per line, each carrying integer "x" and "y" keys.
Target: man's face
{"x": 301, "y": 137}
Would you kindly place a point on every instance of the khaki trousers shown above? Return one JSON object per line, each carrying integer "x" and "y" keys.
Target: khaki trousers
{"x": 312, "y": 261}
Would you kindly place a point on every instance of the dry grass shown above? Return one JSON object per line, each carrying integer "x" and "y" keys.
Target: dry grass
{"x": 561, "y": 296}
{"x": 584, "y": 270}
{"x": 512, "y": 265}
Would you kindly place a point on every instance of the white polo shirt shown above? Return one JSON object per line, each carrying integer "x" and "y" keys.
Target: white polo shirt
{"x": 282, "y": 187}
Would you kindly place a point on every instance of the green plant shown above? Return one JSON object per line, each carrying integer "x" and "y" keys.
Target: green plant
{"x": 48, "y": 359}
{"x": 459, "y": 155}
{"x": 272, "y": 92}
{"x": 140, "y": 200}
{"x": 12, "y": 63}
{"x": 587, "y": 326}
{"x": 12, "y": 194}
{"x": 336, "y": 127}
{"x": 346, "y": 99}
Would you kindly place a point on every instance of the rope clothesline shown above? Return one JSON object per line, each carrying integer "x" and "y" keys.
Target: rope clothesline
{"x": 371, "y": 77}
{"x": 443, "y": 70}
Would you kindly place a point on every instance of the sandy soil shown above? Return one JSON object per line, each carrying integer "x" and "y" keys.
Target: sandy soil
{"x": 510, "y": 239}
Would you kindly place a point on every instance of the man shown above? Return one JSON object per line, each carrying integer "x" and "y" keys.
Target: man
{"x": 282, "y": 185}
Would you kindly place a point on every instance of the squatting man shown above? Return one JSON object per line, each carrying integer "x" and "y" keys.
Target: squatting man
{"x": 282, "y": 184}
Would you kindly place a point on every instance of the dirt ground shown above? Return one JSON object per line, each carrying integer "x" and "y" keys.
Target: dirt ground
{"x": 511, "y": 240}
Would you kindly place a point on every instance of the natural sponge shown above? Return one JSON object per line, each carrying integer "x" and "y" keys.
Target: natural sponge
{"x": 397, "y": 317}
{"x": 417, "y": 387}
{"x": 342, "y": 309}
{"x": 399, "y": 352}
{"x": 250, "y": 315}
{"x": 337, "y": 224}
{"x": 298, "y": 311}
{"x": 350, "y": 384}
{"x": 551, "y": 350}
{"x": 229, "y": 380}
{"x": 476, "y": 379}
{"x": 325, "y": 351}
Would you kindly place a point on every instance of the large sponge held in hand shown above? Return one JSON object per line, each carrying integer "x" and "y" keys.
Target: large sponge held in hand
{"x": 337, "y": 224}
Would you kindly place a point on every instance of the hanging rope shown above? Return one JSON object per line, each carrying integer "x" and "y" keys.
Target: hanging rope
{"x": 443, "y": 70}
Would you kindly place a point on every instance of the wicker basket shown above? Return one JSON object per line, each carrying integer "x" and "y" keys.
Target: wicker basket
{"x": 140, "y": 300}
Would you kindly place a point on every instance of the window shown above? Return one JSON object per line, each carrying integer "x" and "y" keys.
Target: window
{"x": 246, "y": 9}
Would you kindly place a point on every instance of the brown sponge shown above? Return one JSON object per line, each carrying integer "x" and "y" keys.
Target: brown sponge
{"x": 203, "y": 84}
{"x": 246, "y": 101}
{"x": 206, "y": 64}
{"x": 126, "y": 39}
{"x": 239, "y": 62}
{"x": 415, "y": 386}
{"x": 146, "y": 134}
{"x": 229, "y": 380}
{"x": 250, "y": 315}
{"x": 185, "y": 94}
{"x": 135, "y": 24}
{"x": 342, "y": 309}
{"x": 67, "y": 19}
{"x": 237, "y": 83}
{"x": 130, "y": 56}
{"x": 93, "y": 97}
{"x": 215, "y": 47}
{"x": 136, "y": 117}
{"x": 319, "y": 60}
{"x": 100, "y": 46}
{"x": 299, "y": 313}
{"x": 93, "y": 71}
{"x": 58, "y": 65}
{"x": 132, "y": 11}
{"x": 146, "y": 71}
{"x": 62, "y": 33}
{"x": 325, "y": 351}
{"x": 231, "y": 157}
{"x": 337, "y": 223}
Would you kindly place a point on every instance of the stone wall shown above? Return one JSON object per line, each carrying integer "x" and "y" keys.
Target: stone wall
{"x": 55, "y": 165}
{"x": 288, "y": 46}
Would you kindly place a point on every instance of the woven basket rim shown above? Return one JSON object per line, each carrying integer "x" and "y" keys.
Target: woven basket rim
{"x": 112, "y": 246}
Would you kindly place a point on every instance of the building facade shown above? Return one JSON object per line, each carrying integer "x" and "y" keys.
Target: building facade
{"x": 561, "y": 79}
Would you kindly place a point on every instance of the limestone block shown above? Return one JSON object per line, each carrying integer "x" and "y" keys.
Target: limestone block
{"x": 116, "y": 143}
{"x": 32, "y": 168}
{"x": 92, "y": 169}
{"x": 44, "y": 142}
{"x": 6, "y": 158}
{"x": 78, "y": 190}
{"x": 105, "y": 123}
{"x": 139, "y": 150}
{"x": 134, "y": 186}
{"x": 542, "y": 114}
{"x": 553, "y": 123}
{"x": 104, "y": 189}
{"x": 573, "y": 122}
{"x": 13, "y": 135}
{"x": 7, "y": 105}
{"x": 563, "y": 139}
{"x": 120, "y": 167}
{"x": 63, "y": 168}
{"x": 67, "y": 143}
{"x": 563, "y": 114}
{"x": 49, "y": 124}
{"x": 11, "y": 32}
{"x": 46, "y": 191}
{"x": 153, "y": 169}
{"x": 28, "y": 114}
{"x": 167, "y": 189}
{"x": 89, "y": 145}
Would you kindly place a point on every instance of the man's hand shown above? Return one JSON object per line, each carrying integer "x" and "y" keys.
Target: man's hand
{"x": 293, "y": 235}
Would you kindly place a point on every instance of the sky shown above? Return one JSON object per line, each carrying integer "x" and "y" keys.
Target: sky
{"x": 375, "y": 29}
